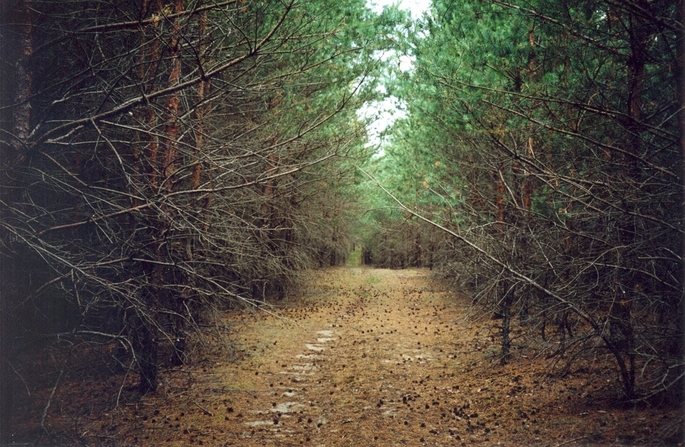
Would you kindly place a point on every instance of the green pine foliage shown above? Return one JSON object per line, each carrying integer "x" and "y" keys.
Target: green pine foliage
{"x": 546, "y": 134}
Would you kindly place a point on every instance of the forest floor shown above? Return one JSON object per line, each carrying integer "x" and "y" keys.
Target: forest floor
{"x": 365, "y": 357}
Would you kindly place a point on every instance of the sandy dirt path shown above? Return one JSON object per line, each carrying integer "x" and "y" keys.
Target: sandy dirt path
{"x": 370, "y": 357}
{"x": 355, "y": 368}
{"x": 362, "y": 357}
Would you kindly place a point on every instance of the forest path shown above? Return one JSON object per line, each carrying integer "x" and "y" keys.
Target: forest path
{"x": 354, "y": 366}
{"x": 372, "y": 357}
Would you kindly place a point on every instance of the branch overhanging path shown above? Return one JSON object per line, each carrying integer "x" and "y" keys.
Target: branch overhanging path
{"x": 585, "y": 316}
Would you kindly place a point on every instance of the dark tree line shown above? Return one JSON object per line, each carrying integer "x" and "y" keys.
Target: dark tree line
{"x": 162, "y": 159}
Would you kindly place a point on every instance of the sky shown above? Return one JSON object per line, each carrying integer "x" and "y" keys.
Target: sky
{"x": 416, "y": 7}
{"x": 385, "y": 112}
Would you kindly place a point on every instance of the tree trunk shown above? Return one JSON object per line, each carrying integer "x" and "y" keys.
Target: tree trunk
{"x": 20, "y": 130}
{"x": 202, "y": 91}
{"x": 150, "y": 136}
{"x": 505, "y": 310}
{"x": 680, "y": 80}
{"x": 171, "y": 129}
{"x": 7, "y": 296}
{"x": 147, "y": 354}
{"x": 21, "y": 119}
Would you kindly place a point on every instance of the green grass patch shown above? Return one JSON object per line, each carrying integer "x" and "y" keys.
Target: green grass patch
{"x": 373, "y": 280}
{"x": 355, "y": 257}
{"x": 241, "y": 386}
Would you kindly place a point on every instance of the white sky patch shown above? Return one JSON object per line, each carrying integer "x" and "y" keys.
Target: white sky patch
{"x": 416, "y": 7}
{"x": 405, "y": 62}
{"x": 382, "y": 114}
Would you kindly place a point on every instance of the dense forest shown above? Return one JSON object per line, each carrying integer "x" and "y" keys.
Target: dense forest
{"x": 162, "y": 162}
{"x": 540, "y": 168}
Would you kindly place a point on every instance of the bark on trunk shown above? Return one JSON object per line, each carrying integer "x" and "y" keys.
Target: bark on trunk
{"x": 20, "y": 129}
{"x": 505, "y": 310}
{"x": 680, "y": 80}
{"x": 7, "y": 295}
{"x": 21, "y": 115}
